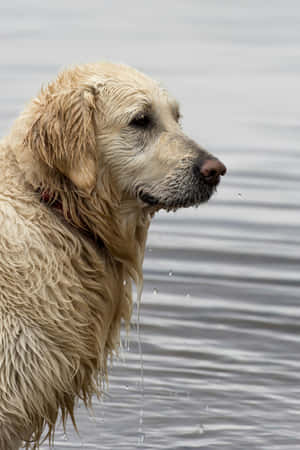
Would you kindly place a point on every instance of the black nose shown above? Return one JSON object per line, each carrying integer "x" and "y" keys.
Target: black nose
{"x": 212, "y": 169}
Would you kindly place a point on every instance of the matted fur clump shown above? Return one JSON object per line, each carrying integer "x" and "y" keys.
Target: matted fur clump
{"x": 84, "y": 169}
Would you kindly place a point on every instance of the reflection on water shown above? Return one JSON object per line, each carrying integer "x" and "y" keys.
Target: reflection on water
{"x": 220, "y": 310}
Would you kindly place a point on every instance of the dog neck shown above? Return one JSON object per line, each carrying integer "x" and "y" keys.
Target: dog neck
{"x": 54, "y": 202}
{"x": 119, "y": 226}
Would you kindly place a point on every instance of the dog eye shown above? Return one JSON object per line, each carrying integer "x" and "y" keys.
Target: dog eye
{"x": 141, "y": 121}
{"x": 178, "y": 116}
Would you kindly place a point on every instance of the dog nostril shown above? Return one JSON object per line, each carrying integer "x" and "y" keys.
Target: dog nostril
{"x": 212, "y": 169}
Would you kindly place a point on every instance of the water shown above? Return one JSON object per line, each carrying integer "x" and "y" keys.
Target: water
{"x": 220, "y": 311}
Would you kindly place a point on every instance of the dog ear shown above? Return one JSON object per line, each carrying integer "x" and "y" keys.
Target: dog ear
{"x": 63, "y": 134}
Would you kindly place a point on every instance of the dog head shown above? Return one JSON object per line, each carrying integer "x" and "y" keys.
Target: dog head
{"x": 103, "y": 117}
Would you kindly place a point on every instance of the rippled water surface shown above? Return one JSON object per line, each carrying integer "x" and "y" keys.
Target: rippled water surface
{"x": 220, "y": 312}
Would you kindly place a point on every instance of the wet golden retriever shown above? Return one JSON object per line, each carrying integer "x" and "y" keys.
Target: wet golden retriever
{"x": 84, "y": 169}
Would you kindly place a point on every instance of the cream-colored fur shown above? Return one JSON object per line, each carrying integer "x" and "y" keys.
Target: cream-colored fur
{"x": 66, "y": 271}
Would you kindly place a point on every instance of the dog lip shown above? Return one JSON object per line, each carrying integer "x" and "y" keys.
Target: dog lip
{"x": 212, "y": 181}
{"x": 148, "y": 198}
{"x": 215, "y": 180}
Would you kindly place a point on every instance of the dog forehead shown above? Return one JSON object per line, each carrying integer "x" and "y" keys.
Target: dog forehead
{"x": 122, "y": 74}
{"x": 125, "y": 89}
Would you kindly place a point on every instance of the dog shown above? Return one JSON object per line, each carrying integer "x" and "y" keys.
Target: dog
{"x": 83, "y": 170}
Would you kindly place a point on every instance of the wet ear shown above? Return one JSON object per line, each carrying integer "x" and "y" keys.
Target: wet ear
{"x": 63, "y": 135}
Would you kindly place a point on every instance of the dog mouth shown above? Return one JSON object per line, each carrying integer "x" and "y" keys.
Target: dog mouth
{"x": 149, "y": 199}
{"x": 174, "y": 198}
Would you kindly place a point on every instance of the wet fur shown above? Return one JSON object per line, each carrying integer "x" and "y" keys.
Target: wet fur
{"x": 63, "y": 296}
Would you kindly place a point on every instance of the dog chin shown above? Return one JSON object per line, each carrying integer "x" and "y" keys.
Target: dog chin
{"x": 172, "y": 203}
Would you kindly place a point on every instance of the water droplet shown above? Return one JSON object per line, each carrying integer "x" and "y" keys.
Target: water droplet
{"x": 149, "y": 249}
{"x": 65, "y": 436}
{"x": 188, "y": 295}
{"x": 239, "y": 194}
{"x": 201, "y": 429}
{"x": 141, "y": 438}
{"x": 141, "y": 419}
{"x": 127, "y": 344}
{"x": 170, "y": 273}
{"x": 124, "y": 282}
{"x": 155, "y": 291}
{"x": 126, "y": 386}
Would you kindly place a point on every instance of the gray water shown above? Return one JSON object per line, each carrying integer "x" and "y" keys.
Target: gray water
{"x": 220, "y": 330}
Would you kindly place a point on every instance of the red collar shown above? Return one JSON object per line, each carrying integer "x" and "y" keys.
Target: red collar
{"x": 49, "y": 199}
